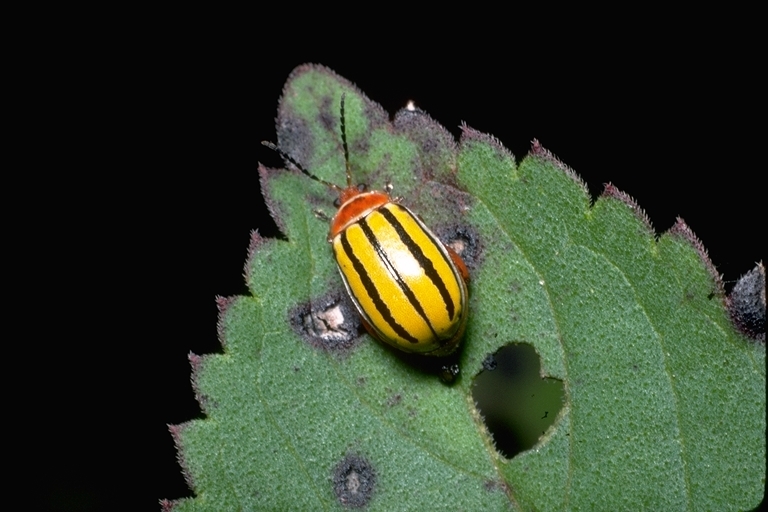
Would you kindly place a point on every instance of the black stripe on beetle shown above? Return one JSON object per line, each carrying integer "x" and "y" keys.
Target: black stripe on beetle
{"x": 418, "y": 254}
{"x": 401, "y": 283}
{"x": 373, "y": 293}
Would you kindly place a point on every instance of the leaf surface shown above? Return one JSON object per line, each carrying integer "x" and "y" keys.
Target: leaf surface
{"x": 664, "y": 402}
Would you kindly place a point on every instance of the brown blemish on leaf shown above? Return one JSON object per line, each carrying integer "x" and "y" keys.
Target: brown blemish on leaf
{"x": 294, "y": 136}
{"x": 441, "y": 206}
{"x": 746, "y": 304}
{"x": 394, "y": 399}
{"x": 465, "y": 241}
{"x": 494, "y": 485}
{"x": 499, "y": 485}
{"x": 377, "y": 117}
{"x": 330, "y": 115}
{"x": 330, "y": 323}
{"x": 471, "y": 135}
{"x": 354, "y": 481}
{"x": 436, "y": 146}
{"x": 267, "y": 175}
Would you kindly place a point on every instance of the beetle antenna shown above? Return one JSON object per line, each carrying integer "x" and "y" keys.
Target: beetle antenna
{"x": 296, "y": 164}
{"x": 344, "y": 141}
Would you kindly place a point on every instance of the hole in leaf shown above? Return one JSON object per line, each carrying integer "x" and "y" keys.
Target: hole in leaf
{"x": 517, "y": 404}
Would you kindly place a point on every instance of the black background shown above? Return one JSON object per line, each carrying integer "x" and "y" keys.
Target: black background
{"x": 158, "y": 125}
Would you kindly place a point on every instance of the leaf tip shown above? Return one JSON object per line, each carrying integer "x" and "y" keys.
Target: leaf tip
{"x": 611, "y": 191}
{"x": 254, "y": 245}
{"x": 537, "y": 150}
{"x": 223, "y": 304}
{"x": 168, "y": 505}
{"x": 196, "y": 362}
{"x": 684, "y": 232}
{"x": 469, "y": 134}
{"x": 746, "y": 304}
{"x": 176, "y": 433}
{"x": 412, "y": 120}
{"x": 436, "y": 145}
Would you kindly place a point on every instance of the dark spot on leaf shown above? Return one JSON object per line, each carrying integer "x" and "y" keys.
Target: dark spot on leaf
{"x": 394, "y": 400}
{"x": 449, "y": 373}
{"x": 294, "y": 136}
{"x": 746, "y": 304}
{"x": 489, "y": 363}
{"x": 329, "y": 323}
{"x": 354, "y": 481}
{"x": 436, "y": 146}
{"x": 361, "y": 146}
{"x": 516, "y": 403}
{"x": 465, "y": 241}
{"x": 329, "y": 116}
{"x": 494, "y": 485}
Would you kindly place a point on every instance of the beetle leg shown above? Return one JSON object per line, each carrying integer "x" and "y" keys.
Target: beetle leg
{"x": 462, "y": 268}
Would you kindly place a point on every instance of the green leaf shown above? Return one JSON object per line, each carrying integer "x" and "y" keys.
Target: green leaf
{"x": 664, "y": 401}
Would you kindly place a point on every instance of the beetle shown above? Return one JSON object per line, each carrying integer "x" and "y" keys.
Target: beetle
{"x": 408, "y": 287}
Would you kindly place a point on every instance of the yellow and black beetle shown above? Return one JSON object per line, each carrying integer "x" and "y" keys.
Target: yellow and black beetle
{"x": 409, "y": 288}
